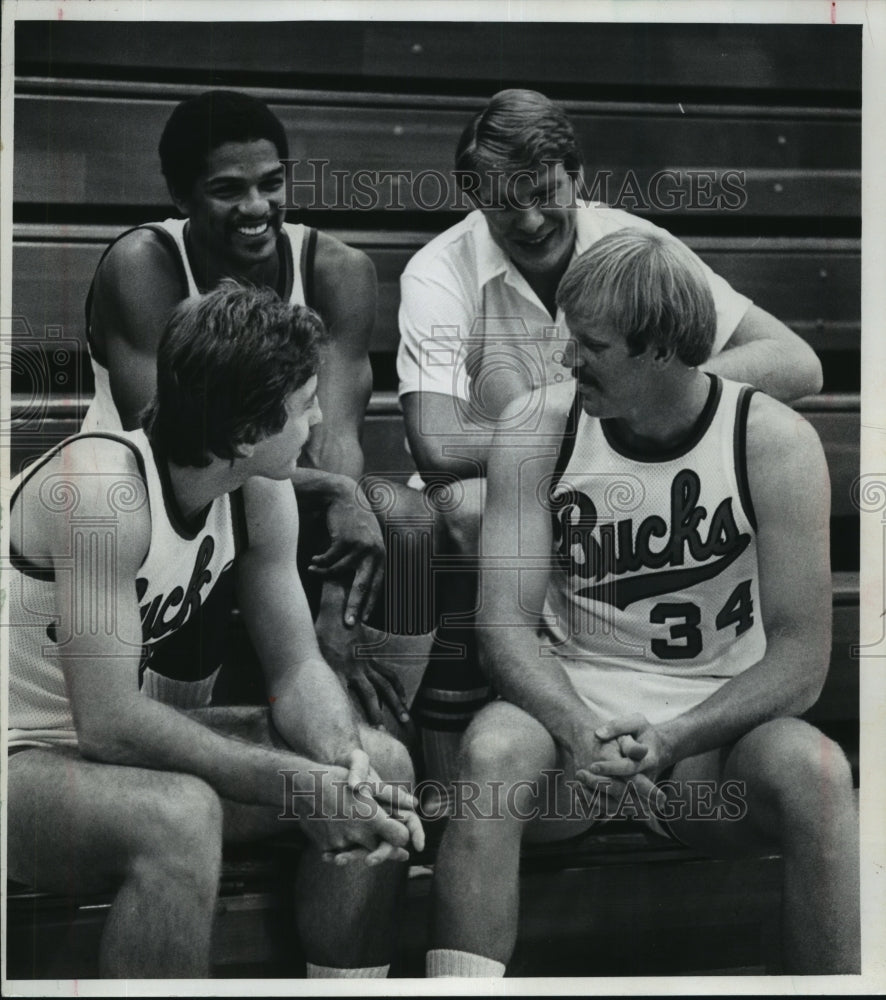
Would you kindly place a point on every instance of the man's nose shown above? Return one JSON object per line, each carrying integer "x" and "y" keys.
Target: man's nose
{"x": 528, "y": 220}
{"x": 570, "y": 357}
{"x": 254, "y": 203}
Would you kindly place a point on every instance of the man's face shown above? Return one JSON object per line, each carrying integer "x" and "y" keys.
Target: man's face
{"x": 611, "y": 381}
{"x": 276, "y": 457}
{"x": 533, "y": 218}
{"x": 236, "y": 205}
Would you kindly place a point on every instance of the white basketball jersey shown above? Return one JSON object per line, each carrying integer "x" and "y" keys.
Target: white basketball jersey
{"x": 102, "y": 413}
{"x": 655, "y": 601}
{"x": 184, "y": 589}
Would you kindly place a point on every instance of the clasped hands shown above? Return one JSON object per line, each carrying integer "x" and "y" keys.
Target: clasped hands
{"x": 363, "y": 818}
{"x": 625, "y": 750}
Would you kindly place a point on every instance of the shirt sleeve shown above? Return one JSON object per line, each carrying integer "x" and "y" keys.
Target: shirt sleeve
{"x": 435, "y": 324}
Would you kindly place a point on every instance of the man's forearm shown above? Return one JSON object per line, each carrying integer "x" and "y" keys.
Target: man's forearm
{"x": 313, "y": 713}
{"x": 152, "y": 735}
{"x": 335, "y": 450}
{"x": 785, "y": 682}
{"x": 769, "y": 355}
{"x": 323, "y": 487}
{"x": 763, "y": 368}
{"x": 541, "y": 688}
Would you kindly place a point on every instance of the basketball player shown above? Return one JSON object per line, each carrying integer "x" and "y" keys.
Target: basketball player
{"x": 121, "y": 778}
{"x": 221, "y": 154}
{"x": 661, "y": 615}
{"x": 480, "y": 327}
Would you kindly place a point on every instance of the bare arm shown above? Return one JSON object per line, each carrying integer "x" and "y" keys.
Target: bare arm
{"x": 791, "y": 496}
{"x": 445, "y": 436}
{"x": 346, "y": 299}
{"x": 136, "y": 288}
{"x": 767, "y": 354}
{"x": 514, "y": 577}
{"x": 308, "y": 705}
{"x": 115, "y": 722}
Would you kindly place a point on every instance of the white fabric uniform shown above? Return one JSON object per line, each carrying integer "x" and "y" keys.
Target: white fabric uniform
{"x": 184, "y": 589}
{"x": 462, "y": 298}
{"x": 102, "y": 413}
{"x": 655, "y": 603}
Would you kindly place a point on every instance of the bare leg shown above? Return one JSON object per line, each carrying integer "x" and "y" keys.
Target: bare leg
{"x": 800, "y": 801}
{"x": 475, "y": 892}
{"x": 344, "y": 915}
{"x": 154, "y": 837}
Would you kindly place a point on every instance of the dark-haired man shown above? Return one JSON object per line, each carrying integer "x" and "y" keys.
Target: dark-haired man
{"x": 650, "y": 621}
{"x": 222, "y": 156}
{"x": 126, "y": 548}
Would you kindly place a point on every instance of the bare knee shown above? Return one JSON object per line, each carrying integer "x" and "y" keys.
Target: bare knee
{"x": 493, "y": 748}
{"x": 805, "y": 775}
{"x": 388, "y": 756}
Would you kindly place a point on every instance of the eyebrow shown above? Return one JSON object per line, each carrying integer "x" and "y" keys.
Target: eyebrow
{"x": 233, "y": 177}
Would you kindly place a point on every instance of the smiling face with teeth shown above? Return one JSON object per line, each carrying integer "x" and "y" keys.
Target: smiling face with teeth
{"x": 532, "y": 218}
{"x": 235, "y": 211}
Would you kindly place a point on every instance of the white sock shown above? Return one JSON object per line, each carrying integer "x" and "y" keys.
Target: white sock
{"x": 447, "y": 962}
{"x": 328, "y": 972}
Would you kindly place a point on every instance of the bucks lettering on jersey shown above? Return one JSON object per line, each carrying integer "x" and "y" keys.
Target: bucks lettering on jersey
{"x": 657, "y": 559}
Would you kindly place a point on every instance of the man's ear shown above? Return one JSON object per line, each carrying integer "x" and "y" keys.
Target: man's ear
{"x": 661, "y": 355}
{"x": 245, "y": 450}
{"x": 181, "y": 203}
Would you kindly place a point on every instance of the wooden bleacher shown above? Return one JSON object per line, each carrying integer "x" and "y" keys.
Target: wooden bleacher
{"x": 780, "y": 103}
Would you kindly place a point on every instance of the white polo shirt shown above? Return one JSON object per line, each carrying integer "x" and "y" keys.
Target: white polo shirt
{"x": 462, "y": 301}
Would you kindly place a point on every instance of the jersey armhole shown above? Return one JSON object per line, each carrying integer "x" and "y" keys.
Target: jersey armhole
{"x": 16, "y": 559}
{"x": 169, "y": 242}
{"x": 740, "y": 449}
{"x": 238, "y": 521}
{"x": 308, "y": 254}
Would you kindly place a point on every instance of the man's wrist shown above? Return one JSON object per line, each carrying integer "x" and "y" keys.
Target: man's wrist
{"x": 674, "y": 739}
{"x": 574, "y": 732}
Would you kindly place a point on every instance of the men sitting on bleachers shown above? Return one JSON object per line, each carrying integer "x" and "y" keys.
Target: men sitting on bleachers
{"x": 122, "y": 778}
{"x": 221, "y": 156}
{"x": 654, "y": 620}
{"x": 479, "y": 327}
